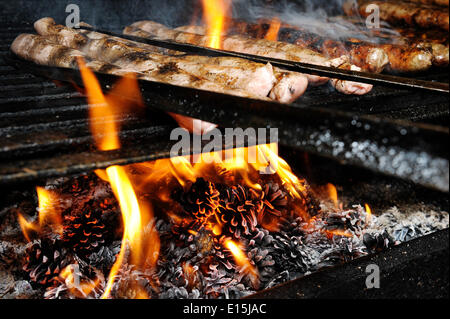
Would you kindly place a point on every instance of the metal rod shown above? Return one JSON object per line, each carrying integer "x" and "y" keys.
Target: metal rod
{"x": 365, "y": 77}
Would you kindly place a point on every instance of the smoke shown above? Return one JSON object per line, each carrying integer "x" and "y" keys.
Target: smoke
{"x": 323, "y": 17}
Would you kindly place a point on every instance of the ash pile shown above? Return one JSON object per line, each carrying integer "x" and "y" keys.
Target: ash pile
{"x": 226, "y": 241}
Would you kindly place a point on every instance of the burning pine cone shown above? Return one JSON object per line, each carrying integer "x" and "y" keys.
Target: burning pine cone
{"x": 85, "y": 232}
{"x": 201, "y": 200}
{"x": 272, "y": 204}
{"x": 238, "y": 210}
{"x": 45, "y": 259}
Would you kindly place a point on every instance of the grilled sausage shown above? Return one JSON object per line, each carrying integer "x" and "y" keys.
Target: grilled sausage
{"x": 288, "y": 87}
{"x": 42, "y": 50}
{"x": 407, "y": 13}
{"x": 257, "y": 79}
{"x": 443, "y": 3}
{"x": 258, "y": 47}
{"x": 365, "y": 55}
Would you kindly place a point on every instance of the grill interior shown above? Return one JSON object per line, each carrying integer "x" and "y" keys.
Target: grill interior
{"x": 45, "y": 133}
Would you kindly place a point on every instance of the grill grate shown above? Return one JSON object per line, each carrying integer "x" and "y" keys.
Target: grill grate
{"x": 45, "y": 131}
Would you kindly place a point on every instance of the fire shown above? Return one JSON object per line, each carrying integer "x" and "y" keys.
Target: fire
{"x": 48, "y": 210}
{"x": 49, "y": 215}
{"x": 143, "y": 254}
{"x": 332, "y": 193}
{"x": 272, "y": 33}
{"x": 368, "y": 212}
{"x": 27, "y": 227}
{"x": 103, "y": 110}
{"x": 242, "y": 260}
{"x": 138, "y": 239}
{"x": 215, "y": 12}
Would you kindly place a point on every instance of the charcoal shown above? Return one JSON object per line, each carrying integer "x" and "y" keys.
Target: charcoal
{"x": 193, "y": 261}
{"x": 6, "y": 282}
{"x": 378, "y": 242}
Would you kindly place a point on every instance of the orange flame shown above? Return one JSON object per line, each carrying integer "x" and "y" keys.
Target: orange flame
{"x": 272, "y": 33}
{"x": 142, "y": 242}
{"x": 134, "y": 237}
{"x": 368, "y": 212}
{"x": 49, "y": 214}
{"x": 242, "y": 260}
{"x": 215, "y": 12}
{"x": 332, "y": 193}
{"x": 27, "y": 227}
{"x": 103, "y": 110}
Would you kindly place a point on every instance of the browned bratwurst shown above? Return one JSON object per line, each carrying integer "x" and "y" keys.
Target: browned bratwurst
{"x": 404, "y": 13}
{"x": 261, "y": 47}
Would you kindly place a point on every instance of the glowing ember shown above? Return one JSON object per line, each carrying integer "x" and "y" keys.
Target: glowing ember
{"x": 215, "y": 12}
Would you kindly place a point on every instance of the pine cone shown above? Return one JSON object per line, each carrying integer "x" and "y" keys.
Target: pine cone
{"x": 201, "y": 200}
{"x": 45, "y": 259}
{"x": 271, "y": 204}
{"x": 84, "y": 282}
{"x": 238, "y": 210}
{"x": 85, "y": 232}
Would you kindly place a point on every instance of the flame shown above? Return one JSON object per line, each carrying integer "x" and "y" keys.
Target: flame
{"x": 215, "y": 12}
{"x": 27, "y": 227}
{"x": 103, "y": 110}
{"x": 142, "y": 253}
{"x": 233, "y": 166}
{"x": 242, "y": 260}
{"x": 49, "y": 214}
{"x": 272, "y": 33}
{"x": 368, "y": 213}
{"x": 333, "y": 195}
{"x": 141, "y": 241}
